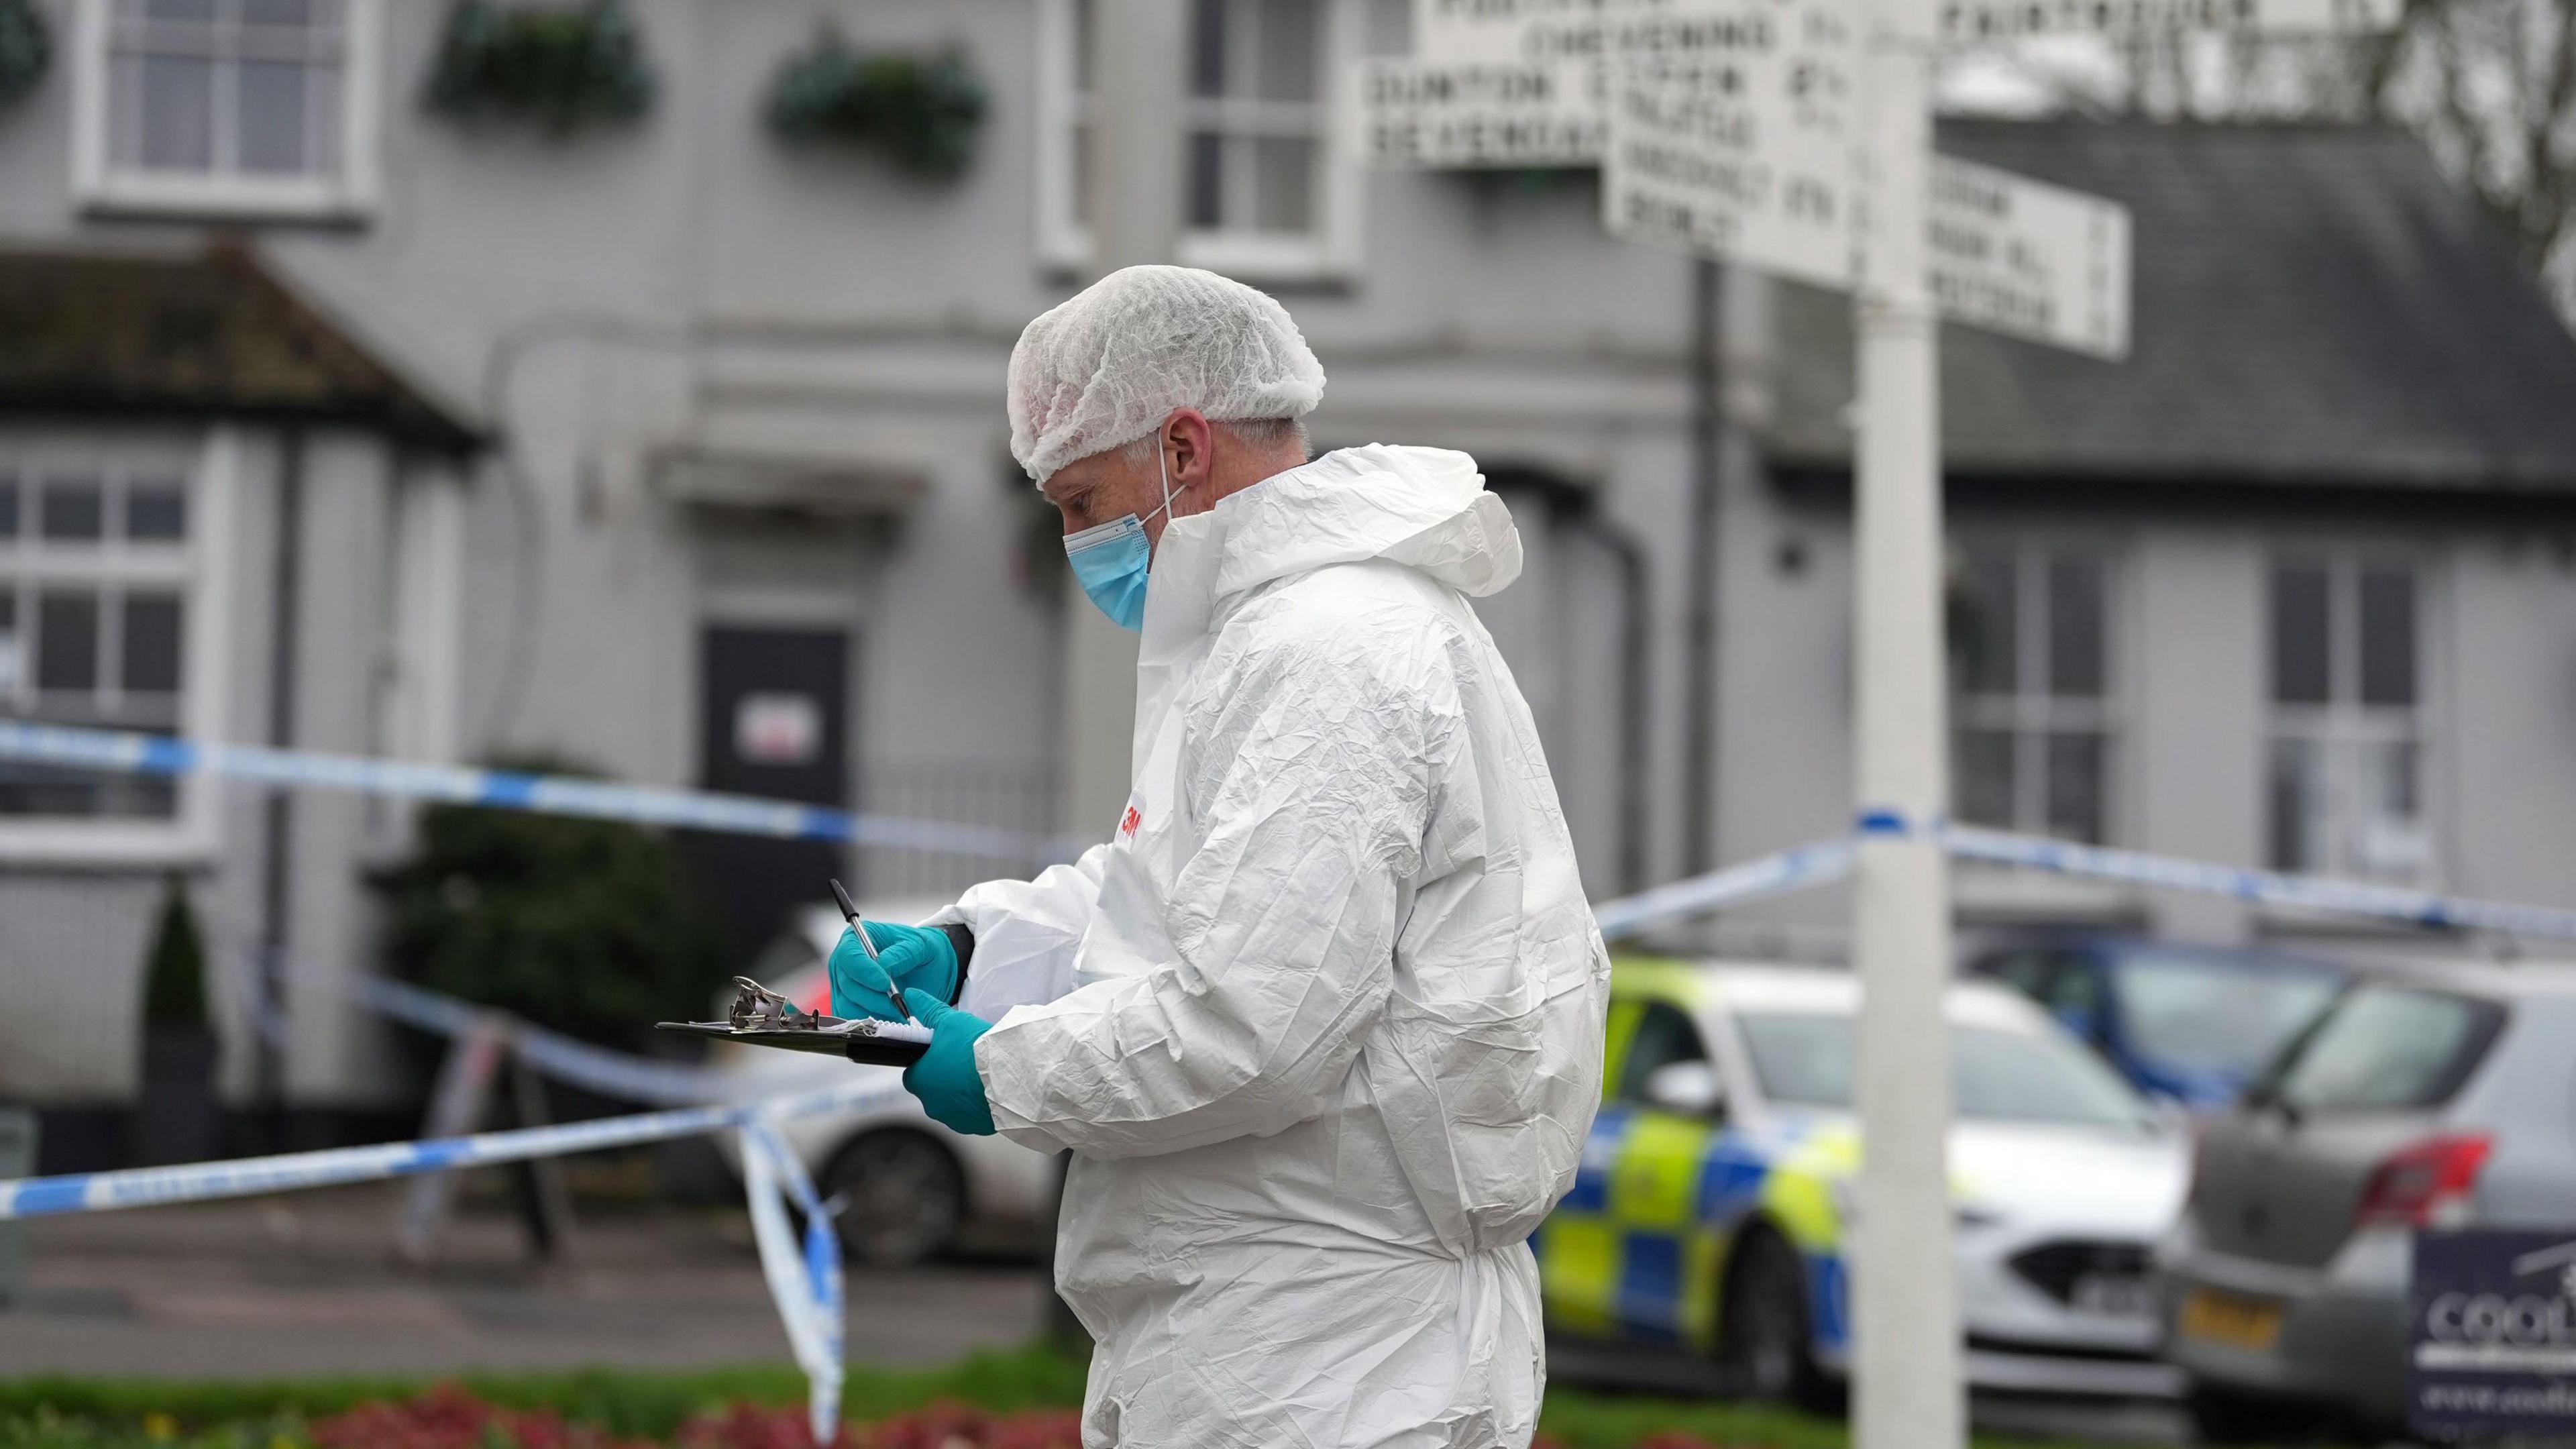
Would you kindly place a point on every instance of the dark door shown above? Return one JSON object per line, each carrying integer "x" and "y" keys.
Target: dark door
{"x": 773, "y": 720}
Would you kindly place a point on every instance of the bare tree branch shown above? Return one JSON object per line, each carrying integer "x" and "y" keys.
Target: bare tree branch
{"x": 2490, "y": 86}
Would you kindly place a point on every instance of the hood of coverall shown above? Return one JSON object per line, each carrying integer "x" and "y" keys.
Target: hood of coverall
{"x": 1423, "y": 507}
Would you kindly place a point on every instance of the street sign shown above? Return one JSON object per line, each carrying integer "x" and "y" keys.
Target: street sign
{"x": 1596, "y": 30}
{"x": 1969, "y": 21}
{"x": 1528, "y": 82}
{"x": 1745, "y": 156}
{"x": 1453, "y": 114}
{"x": 2033, "y": 260}
{"x": 1716, "y": 163}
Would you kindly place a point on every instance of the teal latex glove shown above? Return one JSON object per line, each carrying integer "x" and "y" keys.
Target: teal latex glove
{"x": 945, "y": 1079}
{"x": 908, "y": 957}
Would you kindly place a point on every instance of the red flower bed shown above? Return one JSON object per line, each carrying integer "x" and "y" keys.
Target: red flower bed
{"x": 955, "y": 1426}
{"x": 448, "y": 1417}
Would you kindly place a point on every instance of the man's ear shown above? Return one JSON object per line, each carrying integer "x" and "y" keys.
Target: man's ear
{"x": 1190, "y": 437}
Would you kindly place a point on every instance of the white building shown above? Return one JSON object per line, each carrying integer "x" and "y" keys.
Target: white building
{"x": 675, "y": 446}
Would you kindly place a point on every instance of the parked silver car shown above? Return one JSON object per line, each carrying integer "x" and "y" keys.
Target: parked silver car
{"x": 2429, "y": 1097}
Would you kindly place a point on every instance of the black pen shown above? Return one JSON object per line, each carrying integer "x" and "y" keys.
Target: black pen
{"x": 859, "y": 928}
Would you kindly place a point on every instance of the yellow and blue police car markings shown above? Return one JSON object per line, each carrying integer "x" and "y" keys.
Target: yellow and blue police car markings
{"x": 1653, "y": 1196}
{"x": 1638, "y": 1247}
{"x": 1591, "y": 1190}
{"x": 1578, "y": 1263}
{"x": 1799, "y": 1197}
{"x": 1827, "y": 1298}
{"x": 1578, "y": 1244}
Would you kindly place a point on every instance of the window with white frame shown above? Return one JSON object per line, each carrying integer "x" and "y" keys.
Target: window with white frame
{"x": 1265, "y": 190}
{"x": 2346, "y": 790}
{"x": 98, "y": 588}
{"x": 2036, "y": 729}
{"x": 238, "y": 106}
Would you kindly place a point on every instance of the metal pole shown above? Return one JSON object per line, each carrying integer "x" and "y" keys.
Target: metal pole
{"x": 1906, "y": 1385}
{"x": 277, "y": 868}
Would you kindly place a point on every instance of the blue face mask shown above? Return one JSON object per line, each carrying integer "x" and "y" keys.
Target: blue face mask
{"x": 1111, "y": 560}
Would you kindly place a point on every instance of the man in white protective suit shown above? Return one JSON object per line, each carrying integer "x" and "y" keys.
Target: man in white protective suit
{"x": 1322, "y": 1024}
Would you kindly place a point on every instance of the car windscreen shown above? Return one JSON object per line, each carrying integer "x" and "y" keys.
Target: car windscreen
{"x": 1805, "y": 1059}
{"x": 2202, "y": 1015}
{"x": 2386, "y": 1048}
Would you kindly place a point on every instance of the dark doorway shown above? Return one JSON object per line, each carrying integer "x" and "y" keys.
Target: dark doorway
{"x": 773, "y": 721}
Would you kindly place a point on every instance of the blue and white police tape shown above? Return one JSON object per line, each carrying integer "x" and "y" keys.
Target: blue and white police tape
{"x": 807, "y": 1287}
{"x": 122, "y": 752}
{"x": 2301, "y": 892}
{"x": 251, "y": 1176}
{"x": 609, "y": 1073}
{"x": 1820, "y": 863}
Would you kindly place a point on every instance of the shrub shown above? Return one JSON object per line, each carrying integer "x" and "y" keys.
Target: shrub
{"x": 26, "y": 48}
{"x": 921, "y": 111}
{"x": 559, "y": 67}
{"x": 588, "y": 926}
{"x": 174, "y": 975}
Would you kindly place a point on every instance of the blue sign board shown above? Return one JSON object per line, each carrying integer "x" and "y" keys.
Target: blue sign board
{"x": 2494, "y": 1335}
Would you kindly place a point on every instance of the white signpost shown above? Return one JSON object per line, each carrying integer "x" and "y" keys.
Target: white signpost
{"x": 2037, "y": 261}
{"x": 1725, "y": 128}
{"x": 1743, "y": 130}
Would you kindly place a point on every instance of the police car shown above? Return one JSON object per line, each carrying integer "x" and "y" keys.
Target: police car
{"x": 1711, "y": 1208}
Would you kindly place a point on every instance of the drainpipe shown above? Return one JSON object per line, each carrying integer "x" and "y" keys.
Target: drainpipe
{"x": 1576, "y": 509}
{"x": 1699, "y": 671}
{"x": 278, "y": 847}
{"x": 1635, "y": 620}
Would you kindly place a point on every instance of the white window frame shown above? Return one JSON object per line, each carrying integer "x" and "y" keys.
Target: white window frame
{"x": 2343, "y": 724}
{"x": 1330, "y": 253}
{"x": 103, "y": 186}
{"x": 2031, "y": 713}
{"x": 211, "y": 461}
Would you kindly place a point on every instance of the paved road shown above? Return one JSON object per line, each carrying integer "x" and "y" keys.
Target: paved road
{"x": 307, "y": 1284}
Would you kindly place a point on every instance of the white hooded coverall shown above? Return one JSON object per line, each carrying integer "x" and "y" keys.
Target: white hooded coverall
{"x": 1322, "y": 1024}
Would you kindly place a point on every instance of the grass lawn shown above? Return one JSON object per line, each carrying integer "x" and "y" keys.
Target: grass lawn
{"x": 107, "y": 1413}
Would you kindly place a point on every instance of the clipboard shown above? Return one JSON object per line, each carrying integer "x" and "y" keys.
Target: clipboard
{"x": 762, "y": 1017}
{"x": 872, "y": 1043}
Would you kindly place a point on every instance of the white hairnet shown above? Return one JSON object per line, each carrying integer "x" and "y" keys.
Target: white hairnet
{"x": 1108, "y": 365}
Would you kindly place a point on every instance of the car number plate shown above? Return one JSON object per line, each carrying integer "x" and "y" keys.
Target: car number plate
{"x": 2113, "y": 1295}
{"x": 2251, "y": 1324}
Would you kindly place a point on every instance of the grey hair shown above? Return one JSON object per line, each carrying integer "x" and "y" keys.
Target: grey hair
{"x": 1250, "y": 432}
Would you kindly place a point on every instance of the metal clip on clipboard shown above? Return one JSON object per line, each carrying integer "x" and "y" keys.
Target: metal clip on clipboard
{"x": 762, "y": 1017}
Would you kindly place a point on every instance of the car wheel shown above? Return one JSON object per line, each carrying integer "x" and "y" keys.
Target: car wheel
{"x": 2223, "y": 1416}
{"x": 1765, "y": 1337}
{"x": 901, "y": 1198}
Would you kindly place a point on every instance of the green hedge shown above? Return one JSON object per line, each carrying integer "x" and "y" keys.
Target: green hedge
{"x": 89, "y": 1413}
{"x": 108, "y": 1411}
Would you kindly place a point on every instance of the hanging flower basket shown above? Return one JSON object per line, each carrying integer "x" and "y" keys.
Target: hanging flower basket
{"x": 26, "y": 48}
{"x": 921, "y": 111}
{"x": 557, "y": 67}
